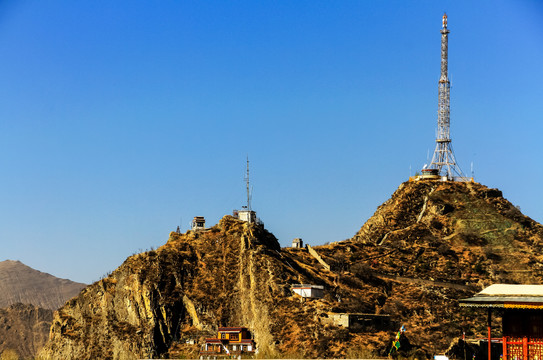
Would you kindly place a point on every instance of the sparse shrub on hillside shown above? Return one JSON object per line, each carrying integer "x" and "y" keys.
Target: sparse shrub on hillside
{"x": 471, "y": 238}
{"x": 350, "y": 281}
{"x": 445, "y": 209}
{"x": 9, "y": 354}
{"x": 395, "y": 308}
{"x": 396, "y": 243}
{"x": 423, "y": 264}
{"x": 362, "y": 271}
{"x": 490, "y": 254}
{"x": 479, "y": 268}
{"x": 339, "y": 262}
{"x": 436, "y": 224}
{"x": 445, "y": 250}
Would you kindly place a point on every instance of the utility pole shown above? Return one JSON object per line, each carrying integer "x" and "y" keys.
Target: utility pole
{"x": 248, "y": 190}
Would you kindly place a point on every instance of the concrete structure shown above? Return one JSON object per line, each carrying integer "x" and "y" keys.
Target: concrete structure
{"x": 198, "y": 223}
{"x": 316, "y": 255}
{"x": 430, "y": 174}
{"x": 247, "y": 215}
{"x": 297, "y": 243}
{"x": 308, "y": 291}
{"x": 363, "y": 321}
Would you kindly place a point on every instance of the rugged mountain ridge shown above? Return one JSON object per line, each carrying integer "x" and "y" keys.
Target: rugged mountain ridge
{"x": 22, "y": 284}
{"x": 234, "y": 274}
{"x": 28, "y": 298}
{"x": 429, "y": 245}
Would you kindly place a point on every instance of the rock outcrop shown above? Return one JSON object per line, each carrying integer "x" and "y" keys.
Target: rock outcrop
{"x": 24, "y": 329}
{"x": 429, "y": 245}
{"x": 158, "y": 302}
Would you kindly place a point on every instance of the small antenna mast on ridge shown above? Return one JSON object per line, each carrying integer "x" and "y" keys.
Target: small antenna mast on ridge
{"x": 248, "y": 190}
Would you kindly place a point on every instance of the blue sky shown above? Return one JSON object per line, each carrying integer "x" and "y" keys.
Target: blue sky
{"x": 120, "y": 120}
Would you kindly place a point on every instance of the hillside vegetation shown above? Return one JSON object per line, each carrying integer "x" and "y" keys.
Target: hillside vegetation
{"x": 431, "y": 244}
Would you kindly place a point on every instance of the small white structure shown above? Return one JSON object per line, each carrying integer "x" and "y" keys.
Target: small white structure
{"x": 308, "y": 291}
{"x": 198, "y": 223}
{"x": 247, "y": 215}
{"x": 298, "y": 243}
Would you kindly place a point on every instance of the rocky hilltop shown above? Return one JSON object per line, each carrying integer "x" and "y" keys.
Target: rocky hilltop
{"x": 429, "y": 245}
{"x": 433, "y": 243}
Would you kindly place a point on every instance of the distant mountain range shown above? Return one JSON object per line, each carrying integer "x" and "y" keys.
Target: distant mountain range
{"x": 28, "y": 299}
{"x": 22, "y": 284}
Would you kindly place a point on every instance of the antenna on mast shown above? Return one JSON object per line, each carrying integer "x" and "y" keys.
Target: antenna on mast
{"x": 246, "y": 213}
{"x": 248, "y": 189}
{"x": 443, "y": 162}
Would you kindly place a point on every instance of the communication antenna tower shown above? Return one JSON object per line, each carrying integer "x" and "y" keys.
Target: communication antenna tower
{"x": 248, "y": 190}
{"x": 443, "y": 159}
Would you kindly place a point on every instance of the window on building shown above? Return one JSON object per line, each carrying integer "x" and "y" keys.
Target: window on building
{"x": 223, "y": 336}
{"x": 234, "y": 337}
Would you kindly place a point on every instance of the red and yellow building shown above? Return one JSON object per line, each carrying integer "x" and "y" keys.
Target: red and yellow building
{"x": 230, "y": 341}
{"x": 521, "y": 307}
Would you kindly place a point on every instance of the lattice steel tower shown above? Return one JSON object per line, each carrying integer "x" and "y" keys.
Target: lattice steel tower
{"x": 443, "y": 159}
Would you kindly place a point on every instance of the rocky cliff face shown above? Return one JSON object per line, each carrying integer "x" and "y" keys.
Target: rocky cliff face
{"x": 429, "y": 245}
{"x": 234, "y": 274}
{"x": 24, "y": 329}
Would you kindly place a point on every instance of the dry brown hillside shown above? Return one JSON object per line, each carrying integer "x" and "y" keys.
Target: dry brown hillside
{"x": 22, "y": 284}
{"x": 24, "y": 329}
{"x": 429, "y": 245}
{"x": 435, "y": 242}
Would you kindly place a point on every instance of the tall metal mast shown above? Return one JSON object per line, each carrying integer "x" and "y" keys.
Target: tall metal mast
{"x": 248, "y": 191}
{"x": 443, "y": 159}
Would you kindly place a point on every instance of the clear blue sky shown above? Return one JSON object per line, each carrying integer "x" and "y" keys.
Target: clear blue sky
{"x": 119, "y": 120}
